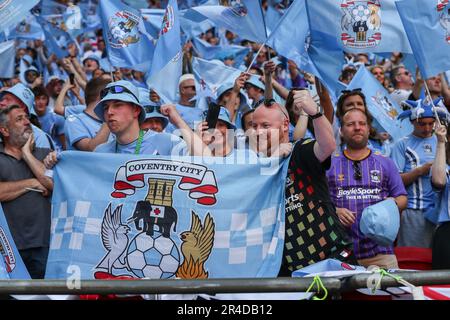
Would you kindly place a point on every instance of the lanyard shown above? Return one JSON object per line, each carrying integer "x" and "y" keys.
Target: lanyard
{"x": 137, "y": 149}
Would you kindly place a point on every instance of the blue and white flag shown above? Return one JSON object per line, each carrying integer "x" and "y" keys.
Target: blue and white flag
{"x": 220, "y": 52}
{"x": 360, "y": 25}
{"x": 383, "y": 109}
{"x": 168, "y": 58}
{"x": 7, "y": 58}
{"x": 213, "y": 73}
{"x": 14, "y": 11}
{"x": 128, "y": 44}
{"x": 155, "y": 217}
{"x": 10, "y": 259}
{"x": 153, "y": 20}
{"x": 427, "y": 24}
{"x": 244, "y": 17}
{"x": 273, "y": 16}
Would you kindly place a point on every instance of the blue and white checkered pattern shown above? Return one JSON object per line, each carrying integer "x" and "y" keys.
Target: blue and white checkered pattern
{"x": 248, "y": 239}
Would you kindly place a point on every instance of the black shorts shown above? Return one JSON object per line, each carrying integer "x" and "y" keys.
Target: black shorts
{"x": 441, "y": 247}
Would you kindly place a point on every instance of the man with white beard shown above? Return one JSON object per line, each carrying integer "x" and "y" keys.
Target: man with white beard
{"x": 24, "y": 189}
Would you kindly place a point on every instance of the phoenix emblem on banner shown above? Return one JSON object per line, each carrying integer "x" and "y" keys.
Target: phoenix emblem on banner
{"x": 361, "y": 23}
{"x": 23, "y": 27}
{"x": 145, "y": 246}
{"x": 123, "y": 29}
{"x": 444, "y": 17}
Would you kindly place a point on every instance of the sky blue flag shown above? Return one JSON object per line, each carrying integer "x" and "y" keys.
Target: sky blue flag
{"x": 152, "y": 20}
{"x": 220, "y": 52}
{"x": 192, "y": 29}
{"x": 28, "y": 29}
{"x": 14, "y": 11}
{"x": 383, "y": 109}
{"x": 168, "y": 58}
{"x": 7, "y": 58}
{"x": 140, "y": 216}
{"x": 10, "y": 258}
{"x": 359, "y": 25}
{"x": 127, "y": 42}
{"x": 53, "y": 46}
{"x": 90, "y": 17}
{"x": 213, "y": 73}
{"x": 427, "y": 24}
{"x": 273, "y": 16}
{"x": 243, "y": 17}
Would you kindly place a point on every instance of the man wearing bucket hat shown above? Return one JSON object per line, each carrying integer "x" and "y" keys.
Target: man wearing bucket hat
{"x": 359, "y": 178}
{"x": 24, "y": 98}
{"x": 154, "y": 119}
{"x": 255, "y": 89}
{"x": 413, "y": 155}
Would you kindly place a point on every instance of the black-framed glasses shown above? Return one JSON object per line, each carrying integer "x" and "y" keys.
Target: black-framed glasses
{"x": 116, "y": 89}
{"x": 150, "y": 109}
{"x": 357, "y": 174}
{"x": 351, "y": 91}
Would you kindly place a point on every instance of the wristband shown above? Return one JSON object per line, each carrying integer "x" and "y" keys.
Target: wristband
{"x": 317, "y": 115}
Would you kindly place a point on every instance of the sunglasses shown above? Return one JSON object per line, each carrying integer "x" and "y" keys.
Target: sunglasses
{"x": 150, "y": 109}
{"x": 357, "y": 174}
{"x": 116, "y": 90}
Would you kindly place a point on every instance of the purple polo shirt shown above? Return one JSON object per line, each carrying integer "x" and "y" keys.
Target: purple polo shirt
{"x": 379, "y": 180}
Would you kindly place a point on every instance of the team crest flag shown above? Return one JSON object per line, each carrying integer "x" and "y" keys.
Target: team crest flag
{"x": 11, "y": 264}
{"x": 383, "y": 109}
{"x": 13, "y": 11}
{"x": 164, "y": 217}
{"x": 360, "y": 25}
{"x": 427, "y": 24}
{"x": 127, "y": 42}
{"x": 7, "y": 56}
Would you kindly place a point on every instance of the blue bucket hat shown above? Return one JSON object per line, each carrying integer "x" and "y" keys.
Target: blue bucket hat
{"x": 381, "y": 221}
{"x": 151, "y": 108}
{"x": 224, "y": 116}
{"x": 121, "y": 90}
{"x": 92, "y": 57}
{"x": 419, "y": 109}
{"x": 228, "y": 86}
{"x": 254, "y": 81}
{"x": 23, "y": 93}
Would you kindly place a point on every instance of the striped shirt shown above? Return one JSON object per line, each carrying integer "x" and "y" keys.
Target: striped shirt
{"x": 355, "y": 185}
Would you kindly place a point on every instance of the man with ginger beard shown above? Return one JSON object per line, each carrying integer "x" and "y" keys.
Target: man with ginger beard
{"x": 358, "y": 178}
{"x": 313, "y": 231}
{"x": 24, "y": 189}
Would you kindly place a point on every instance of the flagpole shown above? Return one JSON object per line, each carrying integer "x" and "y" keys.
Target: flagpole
{"x": 434, "y": 107}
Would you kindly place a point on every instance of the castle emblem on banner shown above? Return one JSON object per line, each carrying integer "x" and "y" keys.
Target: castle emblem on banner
{"x": 361, "y": 23}
{"x": 444, "y": 17}
{"x": 123, "y": 29}
{"x": 144, "y": 245}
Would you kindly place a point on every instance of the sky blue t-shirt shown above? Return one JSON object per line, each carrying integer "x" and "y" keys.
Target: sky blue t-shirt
{"x": 41, "y": 139}
{"x": 412, "y": 152}
{"x": 53, "y": 124}
{"x": 75, "y": 109}
{"x": 80, "y": 126}
{"x": 441, "y": 214}
{"x": 153, "y": 143}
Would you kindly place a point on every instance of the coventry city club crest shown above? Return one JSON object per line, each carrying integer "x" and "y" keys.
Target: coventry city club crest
{"x": 145, "y": 244}
{"x": 236, "y": 7}
{"x": 168, "y": 20}
{"x": 383, "y": 102}
{"x": 361, "y": 23}
{"x": 123, "y": 29}
{"x": 444, "y": 17}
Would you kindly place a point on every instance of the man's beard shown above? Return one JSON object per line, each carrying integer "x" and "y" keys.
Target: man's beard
{"x": 19, "y": 140}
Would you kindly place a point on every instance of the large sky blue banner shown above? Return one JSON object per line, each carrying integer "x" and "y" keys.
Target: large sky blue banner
{"x": 11, "y": 264}
{"x": 160, "y": 217}
{"x": 383, "y": 109}
{"x": 13, "y": 11}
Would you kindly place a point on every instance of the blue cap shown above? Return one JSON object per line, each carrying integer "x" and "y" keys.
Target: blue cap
{"x": 122, "y": 96}
{"x": 380, "y": 222}
{"x": 224, "y": 116}
{"x": 32, "y": 68}
{"x": 92, "y": 57}
{"x": 228, "y": 86}
{"x": 23, "y": 93}
{"x": 27, "y": 58}
{"x": 254, "y": 81}
{"x": 149, "y": 107}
